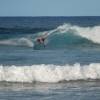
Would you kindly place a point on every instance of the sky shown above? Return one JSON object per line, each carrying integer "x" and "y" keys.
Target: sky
{"x": 49, "y": 7}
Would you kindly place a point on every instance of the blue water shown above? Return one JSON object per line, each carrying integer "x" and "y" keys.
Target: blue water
{"x": 68, "y": 67}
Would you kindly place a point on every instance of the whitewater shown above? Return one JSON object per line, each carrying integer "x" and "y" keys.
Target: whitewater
{"x": 50, "y": 73}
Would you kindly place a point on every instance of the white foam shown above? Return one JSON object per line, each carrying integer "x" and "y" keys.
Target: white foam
{"x": 91, "y": 33}
{"x": 49, "y": 73}
{"x": 18, "y": 42}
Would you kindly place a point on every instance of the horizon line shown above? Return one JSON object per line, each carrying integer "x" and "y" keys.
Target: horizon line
{"x": 52, "y": 16}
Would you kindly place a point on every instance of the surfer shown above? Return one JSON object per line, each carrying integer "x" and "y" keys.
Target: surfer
{"x": 41, "y": 39}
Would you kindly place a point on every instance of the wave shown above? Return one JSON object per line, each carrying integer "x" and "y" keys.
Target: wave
{"x": 50, "y": 73}
{"x": 63, "y": 36}
{"x": 90, "y": 33}
{"x": 18, "y": 42}
{"x": 72, "y": 35}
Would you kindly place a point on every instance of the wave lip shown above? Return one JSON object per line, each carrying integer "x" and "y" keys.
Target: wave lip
{"x": 90, "y": 33}
{"x": 50, "y": 73}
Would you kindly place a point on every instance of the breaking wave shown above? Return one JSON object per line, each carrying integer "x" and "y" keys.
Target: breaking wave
{"x": 18, "y": 42}
{"x": 50, "y": 73}
{"x": 72, "y": 35}
{"x": 61, "y": 37}
{"x": 90, "y": 33}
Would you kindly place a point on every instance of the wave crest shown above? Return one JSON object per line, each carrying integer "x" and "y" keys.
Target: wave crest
{"x": 90, "y": 33}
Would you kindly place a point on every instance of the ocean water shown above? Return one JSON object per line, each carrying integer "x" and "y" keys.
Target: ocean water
{"x": 66, "y": 68}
